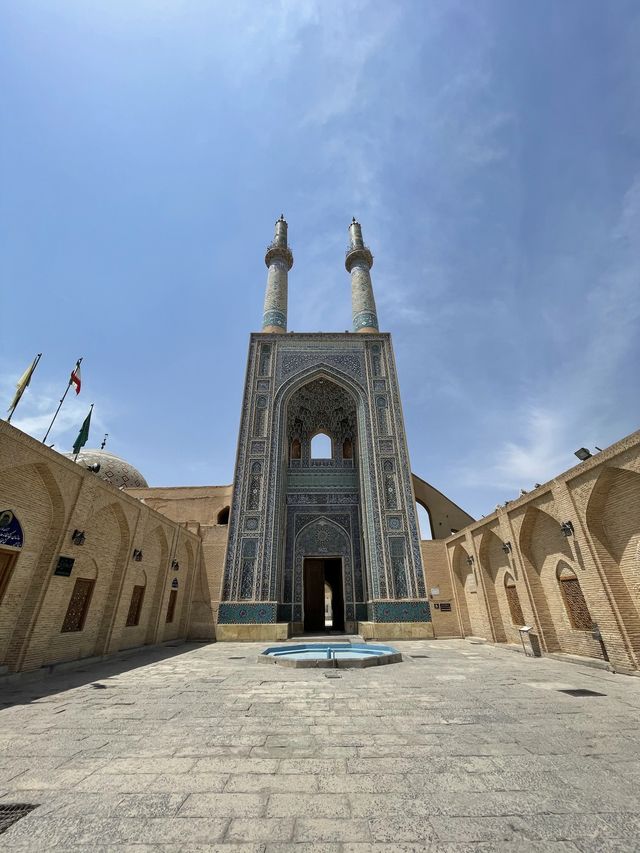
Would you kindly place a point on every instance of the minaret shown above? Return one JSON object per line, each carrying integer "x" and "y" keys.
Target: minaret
{"x": 358, "y": 262}
{"x": 279, "y": 261}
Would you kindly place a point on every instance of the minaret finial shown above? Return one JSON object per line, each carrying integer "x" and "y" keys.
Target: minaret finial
{"x": 279, "y": 261}
{"x": 358, "y": 262}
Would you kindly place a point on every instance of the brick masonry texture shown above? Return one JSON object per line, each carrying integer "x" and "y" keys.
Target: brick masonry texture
{"x": 470, "y": 748}
{"x": 52, "y": 497}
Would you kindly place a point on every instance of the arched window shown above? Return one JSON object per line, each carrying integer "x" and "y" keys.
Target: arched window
{"x": 513, "y": 600}
{"x": 321, "y": 446}
{"x": 576, "y": 606}
{"x": 296, "y": 449}
{"x": 424, "y": 521}
{"x": 347, "y": 449}
{"x": 223, "y": 516}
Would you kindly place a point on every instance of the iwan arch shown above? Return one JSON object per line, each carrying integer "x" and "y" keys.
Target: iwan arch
{"x": 257, "y": 559}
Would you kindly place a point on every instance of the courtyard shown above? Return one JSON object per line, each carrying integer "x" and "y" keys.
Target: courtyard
{"x": 460, "y": 747}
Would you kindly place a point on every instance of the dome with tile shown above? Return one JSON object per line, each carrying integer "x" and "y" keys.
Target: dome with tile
{"x": 113, "y": 469}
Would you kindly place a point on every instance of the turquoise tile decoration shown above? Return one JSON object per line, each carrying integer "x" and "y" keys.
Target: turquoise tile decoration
{"x": 247, "y": 614}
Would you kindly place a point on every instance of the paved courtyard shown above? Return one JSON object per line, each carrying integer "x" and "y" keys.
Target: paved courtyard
{"x": 460, "y": 748}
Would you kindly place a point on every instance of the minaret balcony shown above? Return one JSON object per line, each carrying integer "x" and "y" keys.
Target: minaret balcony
{"x": 358, "y": 255}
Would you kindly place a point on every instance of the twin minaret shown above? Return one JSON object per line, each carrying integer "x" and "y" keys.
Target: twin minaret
{"x": 358, "y": 262}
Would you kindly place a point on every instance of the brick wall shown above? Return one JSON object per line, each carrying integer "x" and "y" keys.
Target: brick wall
{"x": 51, "y": 497}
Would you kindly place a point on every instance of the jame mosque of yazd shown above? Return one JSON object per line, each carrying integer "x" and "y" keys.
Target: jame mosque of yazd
{"x": 96, "y": 563}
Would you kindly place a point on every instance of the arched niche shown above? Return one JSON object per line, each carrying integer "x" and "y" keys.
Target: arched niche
{"x": 615, "y": 531}
{"x": 41, "y": 510}
{"x": 575, "y": 604}
{"x": 542, "y": 544}
{"x": 321, "y": 422}
{"x": 467, "y": 592}
{"x": 320, "y": 540}
{"x": 223, "y": 516}
{"x": 493, "y": 563}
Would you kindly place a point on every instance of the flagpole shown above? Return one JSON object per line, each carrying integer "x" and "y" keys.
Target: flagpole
{"x": 31, "y": 372}
{"x": 75, "y": 458}
{"x": 60, "y": 404}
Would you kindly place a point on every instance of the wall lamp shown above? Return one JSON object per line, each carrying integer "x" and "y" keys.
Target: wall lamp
{"x": 78, "y": 537}
{"x": 583, "y": 454}
{"x": 137, "y": 555}
{"x": 567, "y": 528}
{"x": 470, "y": 560}
{"x": 175, "y": 565}
{"x": 506, "y": 547}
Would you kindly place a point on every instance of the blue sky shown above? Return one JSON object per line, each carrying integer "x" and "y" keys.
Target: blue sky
{"x": 491, "y": 151}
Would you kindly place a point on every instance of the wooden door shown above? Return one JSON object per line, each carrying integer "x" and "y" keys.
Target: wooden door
{"x": 313, "y": 595}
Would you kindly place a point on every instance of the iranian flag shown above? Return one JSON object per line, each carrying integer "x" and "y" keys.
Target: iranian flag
{"x": 75, "y": 378}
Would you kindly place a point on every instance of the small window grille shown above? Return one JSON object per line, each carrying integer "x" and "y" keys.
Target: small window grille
{"x": 577, "y": 609}
{"x": 135, "y": 607}
{"x": 78, "y": 606}
{"x": 513, "y": 601}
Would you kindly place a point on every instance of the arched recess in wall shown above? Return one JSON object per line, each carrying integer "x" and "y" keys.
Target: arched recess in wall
{"x": 116, "y": 570}
{"x": 157, "y": 571}
{"x": 223, "y": 516}
{"x": 465, "y": 588}
{"x": 541, "y": 545}
{"x": 424, "y": 520}
{"x": 45, "y": 493}
{"x": 188, "y": 578}
{"x": 513, "y": 601}
{"x": 321, "y": 446}
{"x": 615, "y": 530}
{"x": 574, "y": 601}
{"x": 493, "y": 563}
{"x": 136, "y": 598}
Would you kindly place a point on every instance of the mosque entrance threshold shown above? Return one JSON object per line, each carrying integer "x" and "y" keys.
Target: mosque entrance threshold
{"x": 321, "y": 573}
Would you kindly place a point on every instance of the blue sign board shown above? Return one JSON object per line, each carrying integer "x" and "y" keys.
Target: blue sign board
{"x": 10, "y": 530}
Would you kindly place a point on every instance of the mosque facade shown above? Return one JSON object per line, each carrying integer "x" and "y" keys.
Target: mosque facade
{"x": 94, "y": 562}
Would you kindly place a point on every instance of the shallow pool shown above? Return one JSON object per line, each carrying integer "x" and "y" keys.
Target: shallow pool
{"x": 331, "y": 654}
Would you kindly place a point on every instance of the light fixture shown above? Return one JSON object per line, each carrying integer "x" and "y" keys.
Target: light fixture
{"x": 567, "y": 528}
{"x": 506, "y": 547}
{"x": 583, "y": 454}
{"x": 469, "y": 560}
{"x": 137, "y": 555}
{"x": 95, "y": 467}
{"x": 175, "y": 565}
{"x": 77, "y": 537}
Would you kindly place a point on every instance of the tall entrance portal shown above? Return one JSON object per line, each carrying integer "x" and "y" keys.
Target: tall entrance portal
{"x": 346, "y": 516}
{"x": 319, "y": 576}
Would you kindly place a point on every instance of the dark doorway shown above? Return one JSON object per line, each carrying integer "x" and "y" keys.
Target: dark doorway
{"x": 317, "y": 572}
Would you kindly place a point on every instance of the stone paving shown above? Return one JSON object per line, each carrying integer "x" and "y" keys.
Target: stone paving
{"x": 459, "y": 748}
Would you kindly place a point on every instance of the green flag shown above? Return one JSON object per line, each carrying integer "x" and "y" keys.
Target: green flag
{"x": 83, "y": 435}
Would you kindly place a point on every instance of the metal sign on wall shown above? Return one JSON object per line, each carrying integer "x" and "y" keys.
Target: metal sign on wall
{"x": 10, "y": 530}
{"x": 65, "y": 564}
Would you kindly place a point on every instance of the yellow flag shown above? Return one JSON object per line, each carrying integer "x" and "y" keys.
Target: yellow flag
{"x": 23, "y": 383}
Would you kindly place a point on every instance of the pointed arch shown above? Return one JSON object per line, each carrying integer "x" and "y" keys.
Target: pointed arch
{"x": 615, "y": 533}
{"x": 541, "y": 545}
{"x": 32, "y": 573}
{"x": 467, "y": 592}
{"x": 493, "y": 563}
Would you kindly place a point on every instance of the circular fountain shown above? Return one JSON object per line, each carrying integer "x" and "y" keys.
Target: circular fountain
{"x": 330, "y": 655}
